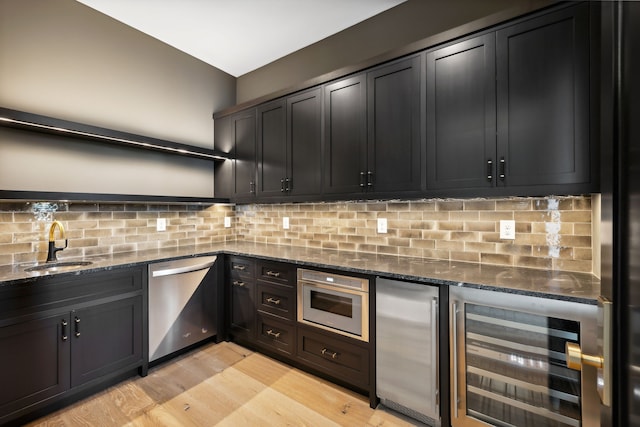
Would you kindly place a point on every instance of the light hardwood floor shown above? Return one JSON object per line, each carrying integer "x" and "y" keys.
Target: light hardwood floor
{"x": 224, "y": 385}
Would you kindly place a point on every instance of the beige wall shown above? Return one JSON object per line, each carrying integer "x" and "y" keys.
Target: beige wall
{"x": 409, "y": 22}
{"x": 62, "y": 59}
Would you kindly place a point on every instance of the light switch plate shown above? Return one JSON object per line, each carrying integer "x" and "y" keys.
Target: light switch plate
{"x": 507, "y": 229}
{"x": 285, "y": 222}
{"x": 161, "y": 224}
{"x": 227, "y": 222}
{"x": 382, "y": 225}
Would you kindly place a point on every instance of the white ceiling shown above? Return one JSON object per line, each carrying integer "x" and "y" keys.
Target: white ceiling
{"x": 238, "y": 36}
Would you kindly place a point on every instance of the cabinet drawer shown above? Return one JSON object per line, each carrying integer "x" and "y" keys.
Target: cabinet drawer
{"x": 241, "y": 267}
{"x": 276, "y": 272}
{"x": 333, "y": 355}
{"x": 276, "y": 334}
{"x": 278, "y": 300}
{"x": 46, "y": 293}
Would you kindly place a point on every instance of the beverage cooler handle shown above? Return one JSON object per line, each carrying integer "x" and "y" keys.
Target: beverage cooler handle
{"x": 454, "y": 341}
{"x": 435, "y": 350}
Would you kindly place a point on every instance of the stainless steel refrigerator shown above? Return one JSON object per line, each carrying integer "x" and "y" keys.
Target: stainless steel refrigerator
{"x": 620, "y": 189}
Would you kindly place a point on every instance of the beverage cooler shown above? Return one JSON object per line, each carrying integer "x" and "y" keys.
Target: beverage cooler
{"x": 508, "y": 363}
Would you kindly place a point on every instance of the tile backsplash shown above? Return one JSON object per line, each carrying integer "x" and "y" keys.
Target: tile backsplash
{"x": 552, "y": 233}
{"x": 99, "y": 229}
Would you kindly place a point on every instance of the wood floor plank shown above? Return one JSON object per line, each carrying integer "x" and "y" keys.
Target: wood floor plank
{"x": 272, "y": 408}
{"x": 223, "y": 385}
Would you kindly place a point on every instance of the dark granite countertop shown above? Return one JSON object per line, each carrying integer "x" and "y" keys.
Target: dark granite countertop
{"x": 562, "y": 285}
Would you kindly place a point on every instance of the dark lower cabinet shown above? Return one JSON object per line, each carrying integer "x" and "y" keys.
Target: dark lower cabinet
{"x": 241, "y": 288}
{"x": 263, "y": 301}
{"x": 340, "y": 357}
{"x": 60, "y": 337}
{"x": 34, "y": 362}
{"x": 105, "y": 338}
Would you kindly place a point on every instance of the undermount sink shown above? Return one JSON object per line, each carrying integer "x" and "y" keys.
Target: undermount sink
{"x": 58, "y": 266}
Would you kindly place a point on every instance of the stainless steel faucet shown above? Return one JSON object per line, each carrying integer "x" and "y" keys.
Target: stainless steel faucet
{"x": 53, "y": 250}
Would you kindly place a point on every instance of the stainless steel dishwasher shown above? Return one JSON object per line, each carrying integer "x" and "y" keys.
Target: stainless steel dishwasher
{"x": 182, "y": 304}
{"x": 407, "y": 349}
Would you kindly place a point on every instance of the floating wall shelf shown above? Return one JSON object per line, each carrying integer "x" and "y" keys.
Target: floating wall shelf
{"x": 45, "y": 124}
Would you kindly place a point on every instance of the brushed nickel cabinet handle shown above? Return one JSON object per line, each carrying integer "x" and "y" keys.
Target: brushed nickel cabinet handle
{"x": 502, "y": 168}
{"x": 273, "y": 301}
{"x": 275, "y": 335}
{"x": 77, "y": 326}
{"x": 362, "y": 179}
{"x": 489, "y": 170}
{"x": 239, "y": 267}
{"x": 64, "y": 330}
{"x": 273, "y": 273}
{"x": 238, "y": 283}
{"x": 333, "y": 354}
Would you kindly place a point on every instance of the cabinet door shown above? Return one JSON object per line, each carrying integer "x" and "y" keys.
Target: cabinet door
{"x": 223, "y": 182}
{"x": 395, "y": 155}
{"x": 304, "y": 143}
{"x": 543, "y": 99}
{"x": 345, "y": 146}
{"x": 244, "y": 170}
{"x": 105, "y": 338}
{"x": 461, "y": 129}
{"x": 34, "y": 362}
{"x": 272, "y": 148}
{"x": 243, "y": 307}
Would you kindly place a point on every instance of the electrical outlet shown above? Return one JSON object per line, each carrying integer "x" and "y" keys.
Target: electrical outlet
{"x": 227, "y": 222}
{"x": 507, "y": 229}
{"x": 382, "y": 225}
{"x": 285, "y": 222}
{"x": 161, "y": 224}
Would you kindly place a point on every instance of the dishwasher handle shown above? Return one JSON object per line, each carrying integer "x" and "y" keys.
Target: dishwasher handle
{"x": 181, "y": 270}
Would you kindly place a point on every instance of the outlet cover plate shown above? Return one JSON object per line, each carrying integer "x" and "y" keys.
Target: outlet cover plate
{"x": 507, "y": 229}
{"x": 227, "y": 222}
{"x": 161, "y": 224}
{"x": 285, "y": 222}
{"x": 382, "y": 225}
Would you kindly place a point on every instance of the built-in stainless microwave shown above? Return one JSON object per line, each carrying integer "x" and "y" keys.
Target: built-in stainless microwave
{"x": 334, "y": 302}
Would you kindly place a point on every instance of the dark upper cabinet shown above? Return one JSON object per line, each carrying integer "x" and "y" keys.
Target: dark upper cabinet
{"x": 272, "y": 148}
{"x": 461, "y": 120}
{"x": 510, "y": 109}
{"x": 345, "y": 135}
{"x": 543, "y": 100}
{"x": 290, "y": 146}
{"x": 243, "y": 134}
{"x": 395, "y": 155}
{"x": 236, "y": 135}
{"x": 304, "y": 144}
